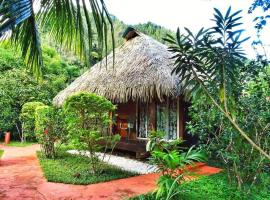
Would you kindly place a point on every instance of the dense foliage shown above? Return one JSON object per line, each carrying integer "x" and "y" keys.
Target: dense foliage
{"x": 217, "y": 187}
{"x": 211, "y": 63}
{"x": 27, "y": 118}
{"x": 17, "y": 86}
{"x": 224, "y": 143}
{"x": 154, "y": 30}
{"x": 45, "y": 129}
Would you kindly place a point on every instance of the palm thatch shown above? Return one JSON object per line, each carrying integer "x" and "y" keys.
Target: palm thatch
{"x": 141, "y": 71}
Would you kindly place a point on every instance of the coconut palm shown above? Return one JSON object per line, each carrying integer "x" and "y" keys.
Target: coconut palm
{"x": 69, "y": 22}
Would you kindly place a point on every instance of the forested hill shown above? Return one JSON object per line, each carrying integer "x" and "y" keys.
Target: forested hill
{"x": 153, "y": 30}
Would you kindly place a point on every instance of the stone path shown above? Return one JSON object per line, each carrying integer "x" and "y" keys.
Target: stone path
{"x": 21, "y": 179}
{"x": 123, "y": 163}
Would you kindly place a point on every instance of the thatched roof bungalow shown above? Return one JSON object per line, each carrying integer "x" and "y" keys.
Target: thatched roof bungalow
{"x": 140, "y": 82}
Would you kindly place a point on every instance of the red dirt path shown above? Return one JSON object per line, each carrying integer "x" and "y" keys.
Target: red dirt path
{"x": 21, "y": 179}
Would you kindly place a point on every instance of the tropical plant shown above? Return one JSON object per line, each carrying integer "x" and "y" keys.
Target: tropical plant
{"x": 44, "y": 129}
{"x": 209, "y": 62}
{"x": 18, "y": 87}
{"x": 243, "y": 164}
{"x": 87, "y": 117}
{"x": 69, "y": 22}
{"x": 171, "y": 162}
{"x": 27, "y": 118}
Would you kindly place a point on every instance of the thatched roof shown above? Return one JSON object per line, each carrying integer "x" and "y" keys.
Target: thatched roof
{"x": 142, "y": 70}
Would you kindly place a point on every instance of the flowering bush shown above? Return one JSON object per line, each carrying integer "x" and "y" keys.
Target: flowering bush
{"x": 48, "y": 129}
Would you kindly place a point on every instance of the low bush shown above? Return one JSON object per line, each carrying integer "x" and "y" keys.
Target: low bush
{"x": 217, "y": 187}
{"x": 27, "y": 118}
{"x": 49, "y": 129}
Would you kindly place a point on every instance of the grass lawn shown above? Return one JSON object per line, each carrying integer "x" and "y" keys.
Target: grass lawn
{"x": 20, "y": 144}
{"x": 1, "y": 152}
{"x": 217, "y": 187}
{"x": 73, "y": 169}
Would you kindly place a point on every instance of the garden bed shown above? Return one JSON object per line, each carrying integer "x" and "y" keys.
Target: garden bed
{"x": 74, "y": 169}
{"x": 217, "y": 187}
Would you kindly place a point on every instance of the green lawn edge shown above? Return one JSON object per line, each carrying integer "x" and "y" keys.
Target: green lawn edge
{"x": 217, "y": 187}
{"x": 1, "y": 153}
{"x": 19, "y": 144}
{"x": 73, "y": 169}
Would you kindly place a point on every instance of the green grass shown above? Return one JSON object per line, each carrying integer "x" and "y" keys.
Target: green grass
{"x": 1, "y": 152}
{"x": 217, "y": 187}
{"x": 20, "y": 144}
{"x": 66, "y": 168}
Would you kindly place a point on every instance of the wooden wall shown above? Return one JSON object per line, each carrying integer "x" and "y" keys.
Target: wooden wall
{"x": 127, "y": 111}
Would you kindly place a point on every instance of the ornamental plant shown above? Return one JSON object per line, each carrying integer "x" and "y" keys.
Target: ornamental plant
{"x": 49, "y": 129}
{"x": 171, "y": 161}
{"x": 88, "y": 120}
{"x": 27, "y": 118}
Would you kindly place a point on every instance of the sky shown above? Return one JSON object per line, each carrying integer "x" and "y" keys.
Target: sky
{"x": 193, "y": 14}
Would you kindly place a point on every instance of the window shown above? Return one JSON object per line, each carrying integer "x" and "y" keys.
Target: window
{"x": 143, "y": 120}
{"x": 167, "y": 118}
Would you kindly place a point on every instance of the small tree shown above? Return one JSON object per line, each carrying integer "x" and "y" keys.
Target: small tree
{"x": 88, "y": 121}
{"x": 27, "y": 118}
{"x": 47, "y": 129}
{"x": 209, "y": 63}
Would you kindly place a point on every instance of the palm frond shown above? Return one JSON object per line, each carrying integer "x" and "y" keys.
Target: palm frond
{"x": 75, "y": 28}
{"x": 70, "y": 24}
{"x": 17, "y": 15}
{"x": 13, "y": 12}
{"x": 26, "y": 36}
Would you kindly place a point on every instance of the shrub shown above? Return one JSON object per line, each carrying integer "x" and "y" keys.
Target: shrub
{"x": 27, "y": 118}
{"x": 88, "y": 121}
{"x": 17, "y": 86}
{"x": 48, "y": 129}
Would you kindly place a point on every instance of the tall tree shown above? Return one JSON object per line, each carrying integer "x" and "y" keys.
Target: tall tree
{"x": 212, "y": 58}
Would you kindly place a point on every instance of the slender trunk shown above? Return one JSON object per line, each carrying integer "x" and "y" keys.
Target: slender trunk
{"x": 20, "y": 133}
{"x": 235, "y": 125}
{"x": 224, "y": 90}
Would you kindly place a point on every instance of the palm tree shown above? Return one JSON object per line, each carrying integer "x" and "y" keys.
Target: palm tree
{"x": 70, "y": 22}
